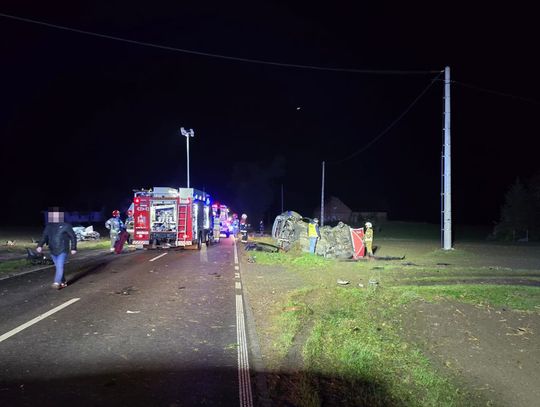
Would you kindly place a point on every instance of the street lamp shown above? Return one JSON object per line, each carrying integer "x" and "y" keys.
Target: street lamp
{"x": 187, "y": 133}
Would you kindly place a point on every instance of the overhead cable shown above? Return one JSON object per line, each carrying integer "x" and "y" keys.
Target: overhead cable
{"x": 391, "y": 125}
{"x": 220, "y": 56}
{"x": 495, "y": 92}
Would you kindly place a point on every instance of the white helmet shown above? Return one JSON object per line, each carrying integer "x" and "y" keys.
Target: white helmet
{"x": 244, "y": 216}
{"x": 369, "y": 225}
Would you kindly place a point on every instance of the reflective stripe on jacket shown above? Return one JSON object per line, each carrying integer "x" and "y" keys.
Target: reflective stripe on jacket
{"x": 368, "y": 237}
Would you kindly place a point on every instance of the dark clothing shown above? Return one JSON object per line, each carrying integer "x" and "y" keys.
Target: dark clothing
{"x": 58, "y": 237}
{"x": 119, "y": 244}
{"x": 243, "y": 231}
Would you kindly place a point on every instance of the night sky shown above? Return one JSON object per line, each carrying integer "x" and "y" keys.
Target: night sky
{"x": 84, "y": 120}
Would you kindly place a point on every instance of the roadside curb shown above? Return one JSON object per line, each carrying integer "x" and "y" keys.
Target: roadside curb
{"x": 258, "y": 364}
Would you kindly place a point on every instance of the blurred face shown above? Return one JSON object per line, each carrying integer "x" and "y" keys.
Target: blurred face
{"x": 55, "y": 217}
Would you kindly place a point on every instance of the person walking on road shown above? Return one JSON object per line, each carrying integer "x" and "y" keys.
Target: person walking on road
{"x": 59, "y": 236}
{"x": 115, "y": 226}
{"x": 368, "y": 238}
{"x": 314, "y": 234}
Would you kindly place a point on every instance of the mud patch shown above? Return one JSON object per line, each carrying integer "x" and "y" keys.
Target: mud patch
{"x": 493, "y": 352}
{"x": 473, "y": 281}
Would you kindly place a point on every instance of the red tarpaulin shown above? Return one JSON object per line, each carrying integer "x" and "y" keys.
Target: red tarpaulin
{"x": 357, "y": 237}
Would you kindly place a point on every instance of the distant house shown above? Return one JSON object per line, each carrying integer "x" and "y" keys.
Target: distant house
{"x": 334, "y": 211}
{"x": 371, "y": 216}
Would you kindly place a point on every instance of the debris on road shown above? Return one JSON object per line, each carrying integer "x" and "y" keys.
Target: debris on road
{"x": 343, "y": 282}
{"x": 36, "y": 258}
{"x": 261, "y": 247}
{"x": 133, "y": 312}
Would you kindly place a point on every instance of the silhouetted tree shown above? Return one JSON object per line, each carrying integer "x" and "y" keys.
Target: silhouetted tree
{"x": 517, "y": 214}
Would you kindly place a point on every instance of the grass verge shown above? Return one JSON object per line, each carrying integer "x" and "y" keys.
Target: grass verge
{"x": 9, "y": 266}
{"x": 523, "y": 298}
{"x": 355, "y": 356}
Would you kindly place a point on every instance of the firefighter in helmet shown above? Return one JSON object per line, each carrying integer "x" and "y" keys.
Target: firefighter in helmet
{"x": 244, "y": 228}
{"x": 115, "y": 226}
{"x": 368, "y": 238}
{"x": 130, "y": 222}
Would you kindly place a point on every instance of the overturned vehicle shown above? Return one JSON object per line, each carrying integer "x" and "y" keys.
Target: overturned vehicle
{"x": 340, "y": 242}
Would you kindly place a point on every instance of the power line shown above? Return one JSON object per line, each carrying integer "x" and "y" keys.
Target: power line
{"x": 494, "y": 92}
{"x": 220, "y": 56}
{"x": 389, "y": 127}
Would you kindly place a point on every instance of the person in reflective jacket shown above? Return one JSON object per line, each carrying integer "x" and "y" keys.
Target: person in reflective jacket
{"x": 368, "y": 238}
{"x": 59, "y": 236}
{"x": 313, "y": 234}
{"x": 115, "y": 225}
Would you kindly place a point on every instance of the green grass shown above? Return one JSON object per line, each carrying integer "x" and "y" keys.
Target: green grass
{"x": 94, "y": 244}
{"x": 8, "y": 266}
{"x": 293, "y": 260}
{"x": 351, "y": 339}
{"x": 289, "y": 321}
{"x": 354, "y": 351}
{"x": 522, "y": 298}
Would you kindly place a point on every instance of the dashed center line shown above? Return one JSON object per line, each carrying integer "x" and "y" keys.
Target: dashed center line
{"x": 157, "y": 257}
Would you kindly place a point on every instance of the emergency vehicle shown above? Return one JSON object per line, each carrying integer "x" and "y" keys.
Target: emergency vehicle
{"x": 171, "y": 217}
{"x": 222, "y": 211}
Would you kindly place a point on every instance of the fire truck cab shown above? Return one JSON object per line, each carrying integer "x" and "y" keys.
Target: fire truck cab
{"x": 222, "y": 213}
{"x": 171, "y": 217}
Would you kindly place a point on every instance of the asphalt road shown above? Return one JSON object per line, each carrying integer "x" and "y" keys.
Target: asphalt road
{"x": 131, "y": 332}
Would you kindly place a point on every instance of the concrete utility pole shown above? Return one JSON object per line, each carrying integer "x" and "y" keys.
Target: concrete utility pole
{"x": 322, "y": 196}
{"x": 187, "y": 133}
{"x": 447, "y": 168}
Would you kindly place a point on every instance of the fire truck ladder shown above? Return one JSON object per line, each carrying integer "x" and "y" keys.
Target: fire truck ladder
{"x": 182, "y": 221}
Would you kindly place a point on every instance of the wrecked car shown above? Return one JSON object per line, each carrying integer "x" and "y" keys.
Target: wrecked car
{"x": 290, "y": 228}
{"x": 85, "y": 233}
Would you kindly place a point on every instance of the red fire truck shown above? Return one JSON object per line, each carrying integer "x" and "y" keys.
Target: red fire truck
{"x": 171, "y": 217}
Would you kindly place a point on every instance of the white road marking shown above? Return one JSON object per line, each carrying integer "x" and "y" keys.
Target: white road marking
{"x": 157, "y": 257}
{"x": 238, "y": 285}
{"x": 236, "y": 275}
{"x": 203, "y": 254}
{"x": 37, "y": 319}
{"x": 244, "y": 379}
{"x": 236, "y": 267}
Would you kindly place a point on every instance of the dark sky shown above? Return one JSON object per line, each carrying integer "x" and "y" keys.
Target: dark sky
{"x": 84, "y": 120}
